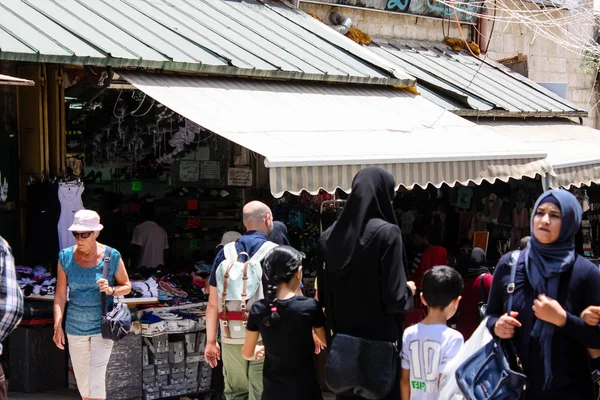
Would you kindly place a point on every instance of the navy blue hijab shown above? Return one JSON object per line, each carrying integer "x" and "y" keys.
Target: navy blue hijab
{"x": 279, "y": 234}
{"x": 544, "y": 264}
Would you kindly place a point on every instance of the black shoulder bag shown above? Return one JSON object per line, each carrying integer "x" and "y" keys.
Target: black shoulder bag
{"x": 495, "y": 372}
{"x": 116, "y": 324}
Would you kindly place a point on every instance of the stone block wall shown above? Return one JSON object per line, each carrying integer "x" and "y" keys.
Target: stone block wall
{"x": 547, "y": 61}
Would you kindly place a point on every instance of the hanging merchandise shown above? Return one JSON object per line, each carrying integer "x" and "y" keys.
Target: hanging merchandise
{"x": 43, "y": 214}
{"x": 465, "y": 195}
{"x": 520, "y": 220}
{"x": 69, "y": 195}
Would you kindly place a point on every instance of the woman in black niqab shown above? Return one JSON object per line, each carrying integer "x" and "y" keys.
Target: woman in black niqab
{"x": 362, "y": 283}
{"x": 371, "y": 198}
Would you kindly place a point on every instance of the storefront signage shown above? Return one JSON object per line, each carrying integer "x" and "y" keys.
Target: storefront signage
{"x": 136, "y": 186}
{"x": 210, "y": 170}
{"x": 467, "y": 10}
{"x": 193, "y": 223}
{"x": 194, "y": 244}
{"x": 189, "y": 171}
{"x": 239, "y": 177}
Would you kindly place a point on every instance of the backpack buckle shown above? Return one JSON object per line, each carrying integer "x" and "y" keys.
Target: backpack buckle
{"x": 510, "y": 288}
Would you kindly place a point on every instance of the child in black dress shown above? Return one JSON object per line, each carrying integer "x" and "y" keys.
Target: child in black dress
{"x": 285, "y": 321}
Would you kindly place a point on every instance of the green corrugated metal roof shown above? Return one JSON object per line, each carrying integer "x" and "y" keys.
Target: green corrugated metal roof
{"x": 230, "y": 37}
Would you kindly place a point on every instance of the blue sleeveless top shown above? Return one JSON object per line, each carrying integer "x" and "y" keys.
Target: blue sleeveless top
{"x": 84, "y": 309}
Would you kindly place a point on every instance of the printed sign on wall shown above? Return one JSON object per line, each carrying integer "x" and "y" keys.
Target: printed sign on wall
{"x": 239, "y": 177}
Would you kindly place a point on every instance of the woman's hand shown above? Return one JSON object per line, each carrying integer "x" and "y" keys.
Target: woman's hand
{"x": 259, "y": 352}
{"x": 591, "y": 315}
{"x": 549, "y": 310}
{"x": 412, "y": 287}
{"x": 104, "y": 287}
{"x": 59, "y": 338}
{"x": 319, "y": 346}
{"x": 506, "y": 324}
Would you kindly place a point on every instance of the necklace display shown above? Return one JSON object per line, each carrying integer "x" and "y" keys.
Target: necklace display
{"x": 91, "y": 258}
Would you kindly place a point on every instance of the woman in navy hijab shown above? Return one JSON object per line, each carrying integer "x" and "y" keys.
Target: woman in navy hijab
{"x": 553, "y": 285}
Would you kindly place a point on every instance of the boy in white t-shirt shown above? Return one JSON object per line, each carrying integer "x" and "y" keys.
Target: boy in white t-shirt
{"x": 428, "y": 346}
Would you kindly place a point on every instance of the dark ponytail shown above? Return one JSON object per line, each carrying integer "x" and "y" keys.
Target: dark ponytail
{"x": 280, "y": 265}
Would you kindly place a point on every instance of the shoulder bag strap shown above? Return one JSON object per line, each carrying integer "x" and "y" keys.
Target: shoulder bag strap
{"x": 482, "y": 295}
{"x": 104, "y": 275}
{"x": 510, "y": 289}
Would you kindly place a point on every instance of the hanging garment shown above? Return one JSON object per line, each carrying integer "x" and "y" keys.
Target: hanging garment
{"x": 69, "y": 196}
{"x": 520, "y": 221}
{"x": 43, "y": 213}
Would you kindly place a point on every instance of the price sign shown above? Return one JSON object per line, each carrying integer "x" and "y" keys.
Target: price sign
{"x": 192, "y": 204}
{"x": 189, "y": 171}
{"x": 136, "y": 186}
{"x": 239, "y": 177}
{"x": 193, "y": 223}
{"x": 195, "y": 244}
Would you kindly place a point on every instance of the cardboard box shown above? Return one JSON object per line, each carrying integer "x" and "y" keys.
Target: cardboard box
{"x": 178, "y": 368}
{"x": 176, "y": 379}
{"x": 190, "y": 343}
{"x": 193, "y": 358}
{"x": 163, "y": 370}
{"x": 161, "y": 343}
{"x": 176, "y": 352}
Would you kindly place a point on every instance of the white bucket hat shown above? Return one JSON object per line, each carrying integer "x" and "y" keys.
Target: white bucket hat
{"x": 86, "y": 221}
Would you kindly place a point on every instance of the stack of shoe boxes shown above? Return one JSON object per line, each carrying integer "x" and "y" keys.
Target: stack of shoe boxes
{"x": 174, "y": 366}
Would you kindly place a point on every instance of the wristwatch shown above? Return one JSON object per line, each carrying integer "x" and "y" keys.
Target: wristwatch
{"x": 113, "y": 291}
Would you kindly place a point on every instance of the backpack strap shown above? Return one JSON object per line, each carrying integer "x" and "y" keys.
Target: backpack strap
{"x": 510, "y": 288}
{"x": 263, "y": 251}
{"x": 224, "y": 302}
{"x": 244, "y": 294}
{"x": 230, "y": 252}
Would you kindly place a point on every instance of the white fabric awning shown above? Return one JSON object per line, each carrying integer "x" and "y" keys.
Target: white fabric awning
{"x": 317, "y": 136}
{"x": 573, "y": 149}
{"x": 14, "y": 81}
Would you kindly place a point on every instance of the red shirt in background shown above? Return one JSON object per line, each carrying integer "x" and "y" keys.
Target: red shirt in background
{"x": 467, "y": 315}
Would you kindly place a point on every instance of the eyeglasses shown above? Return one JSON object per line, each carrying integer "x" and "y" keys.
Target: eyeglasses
{"x": 83, "y": 235}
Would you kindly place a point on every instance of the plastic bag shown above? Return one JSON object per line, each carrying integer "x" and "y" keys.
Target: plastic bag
{"x": 449, "y": 389}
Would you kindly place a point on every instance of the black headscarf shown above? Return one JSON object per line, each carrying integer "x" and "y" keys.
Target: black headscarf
{"x": 279, "y": 234}
{"x": 475, "y": 265}
{"x": 371, "y": 198}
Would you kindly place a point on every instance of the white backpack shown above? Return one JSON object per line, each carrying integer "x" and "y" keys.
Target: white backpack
{"x": 239, "y": 285}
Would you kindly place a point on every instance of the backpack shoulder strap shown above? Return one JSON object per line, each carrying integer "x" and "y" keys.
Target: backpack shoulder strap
{"x": 510, "y": 289}
{"x": 263, "y": 251}
{"x": 230, "y": 252}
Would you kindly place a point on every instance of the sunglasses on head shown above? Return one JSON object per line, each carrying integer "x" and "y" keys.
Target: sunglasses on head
{"x": 83, "y": 235}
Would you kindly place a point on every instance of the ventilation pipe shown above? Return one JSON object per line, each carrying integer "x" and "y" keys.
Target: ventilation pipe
{"x": 340, "y": 23}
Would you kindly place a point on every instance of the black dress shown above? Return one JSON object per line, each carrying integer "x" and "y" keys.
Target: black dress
{"x": 289, "y": 370}
{"x": 368, "y": 299}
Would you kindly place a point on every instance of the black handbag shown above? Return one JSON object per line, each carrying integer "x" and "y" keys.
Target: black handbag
{"x": 361, "y": 367}
{"x": 494, "y": 372}
{"x": 482, "y": 306}
{"x": 116, "y": 324}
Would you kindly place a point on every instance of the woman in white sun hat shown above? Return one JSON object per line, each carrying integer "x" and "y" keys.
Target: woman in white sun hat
{"x": 80, "y": 268}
